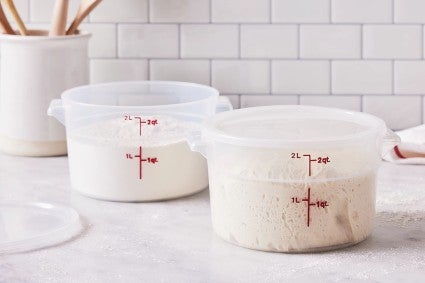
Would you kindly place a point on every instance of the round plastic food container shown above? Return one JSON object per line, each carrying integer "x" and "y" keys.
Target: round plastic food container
{"x": 127, "y": 141}
{"x": 293, "y": 178}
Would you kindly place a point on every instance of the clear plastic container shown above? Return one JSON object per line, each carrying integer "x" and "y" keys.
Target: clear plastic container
{"x": 293, "y": 178}
{"x": 127, "y": 141}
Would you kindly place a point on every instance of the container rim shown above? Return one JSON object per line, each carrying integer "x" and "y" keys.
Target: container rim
{"x": 42, "y": 35}
{"x": 66, "y": 96}
{"x": 211, "y": 132}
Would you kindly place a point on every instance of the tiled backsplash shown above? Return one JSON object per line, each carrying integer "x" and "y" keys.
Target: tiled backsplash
{"x": 356, "y": 54}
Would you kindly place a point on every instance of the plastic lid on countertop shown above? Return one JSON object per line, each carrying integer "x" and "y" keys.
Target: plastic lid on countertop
{"x": 32, "y": 226}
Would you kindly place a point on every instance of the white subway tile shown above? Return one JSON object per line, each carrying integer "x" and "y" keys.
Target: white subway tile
{"x": 123, "y": 11}
{"x": 103, "y": 40}
{"x": 181, "y": 11}
{"x": 399, "y": 112}
{"x": 195, "y": 71}
{"x": 409, "y": 77}
{"x": 392, "y": 41}
{"x": 41, "y": 11}
{"x": 266, "y": 100}
{"x": 362, "y": 11}
{"x": 409, "y": 11}
{"x": 301, "y": 11}
{"x": 330, "y": 41}
{"x": 240, "y": 11}
{"x": 155, "y": 41}
{"x": 209, "y": 41}
{"x": 269, "y": 41}
{"x": 300, "y": 77}
{"x": 344, "y": 102}
{"x": 361, "y": 77}
{"x": 239, "y": 77}
{"x": 107, "y": 70}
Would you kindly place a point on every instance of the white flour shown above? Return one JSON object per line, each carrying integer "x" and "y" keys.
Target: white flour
{"x": 252, "y": 203}
{"x": 100, "y": 167}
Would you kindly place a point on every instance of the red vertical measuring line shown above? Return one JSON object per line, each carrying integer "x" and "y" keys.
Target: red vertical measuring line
{"x": 308, "y": 206}
{"x": 140, "y": 125}
{"x": 140, "y": 162}
{"x": 309, "y": 163}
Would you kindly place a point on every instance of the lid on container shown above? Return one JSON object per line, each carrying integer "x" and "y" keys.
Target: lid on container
{"x": 288, "y": 125}
{"x": 25, "y": 227}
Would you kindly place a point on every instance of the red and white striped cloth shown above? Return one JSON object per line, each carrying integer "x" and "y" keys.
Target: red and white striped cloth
{"x": 411, "y": 149}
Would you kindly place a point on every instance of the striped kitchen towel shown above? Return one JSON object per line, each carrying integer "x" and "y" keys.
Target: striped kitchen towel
{"x": 411, "y": 149}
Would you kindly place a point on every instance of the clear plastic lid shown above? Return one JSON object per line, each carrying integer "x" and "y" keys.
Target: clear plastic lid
{"x": 25, "y": 227}
{"x": 291, "y": 125}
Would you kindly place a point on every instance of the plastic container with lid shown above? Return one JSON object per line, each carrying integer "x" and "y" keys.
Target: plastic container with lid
{"x": 127, "y": 141}
{"x": 293, "y": 178}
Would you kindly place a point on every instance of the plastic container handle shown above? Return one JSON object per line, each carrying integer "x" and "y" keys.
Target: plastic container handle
{"x": 195, "y": 139}
{"x": 57, "y": 110}
{"x": 223, "y": 104}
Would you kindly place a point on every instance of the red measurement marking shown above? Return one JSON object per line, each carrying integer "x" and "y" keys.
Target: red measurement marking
{"x": 309, "y": 163}
{"x": 324, "y": 160}
{"x": 152, "y": 160}
{"x": 318, "y": 204}
{"x": 152, "y": 122}
{"x": 140, "y": 162}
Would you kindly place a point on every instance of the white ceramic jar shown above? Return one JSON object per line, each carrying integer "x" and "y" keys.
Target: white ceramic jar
{"x": 34, "y": 70}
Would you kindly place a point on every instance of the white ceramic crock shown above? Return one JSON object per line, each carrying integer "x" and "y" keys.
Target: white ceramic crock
{"x": 34, "y": 70}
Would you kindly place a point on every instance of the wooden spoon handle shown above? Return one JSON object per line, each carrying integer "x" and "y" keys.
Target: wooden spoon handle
{"x": 85, "y": 8}
{"x": 60, "y": 13}
{"x": 4, "y": 23}
{"x": 15, "y": 15}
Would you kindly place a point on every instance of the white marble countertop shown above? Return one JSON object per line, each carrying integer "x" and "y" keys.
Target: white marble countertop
{"x": 173, "y": 241}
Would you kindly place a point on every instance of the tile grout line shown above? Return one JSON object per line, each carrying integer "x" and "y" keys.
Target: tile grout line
{"x": 239, "y": 41}
{"x": 179, "y": 39}
{"x": 271, "y": 76}
{"x": 361, "y": 42}
{"x": 29, "y": 10}
{"x": 331, "y": 2}
{"x": 392, "y": 77}
{"x": 210, "y": 11}
{"x": 251, "y": 23}
{"x": 117, "y": 41}
{"x": 149, "y": 69}
{"x": 392, "y": 11}
{"x": 210, "y": 75}
{"x": 330, "y": 78}
{"x": 148, "y": 9}
{"x": 270, "y": 11}
{"x": 422, "y": 41}
{"x": 298, "y": 42}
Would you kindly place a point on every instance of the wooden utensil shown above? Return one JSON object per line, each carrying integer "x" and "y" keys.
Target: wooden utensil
{"x": 21, "y": 26}
{"x": 60, "y": 12}
{"x": 86, "y": 6}
{"x": 4, "y": 23}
